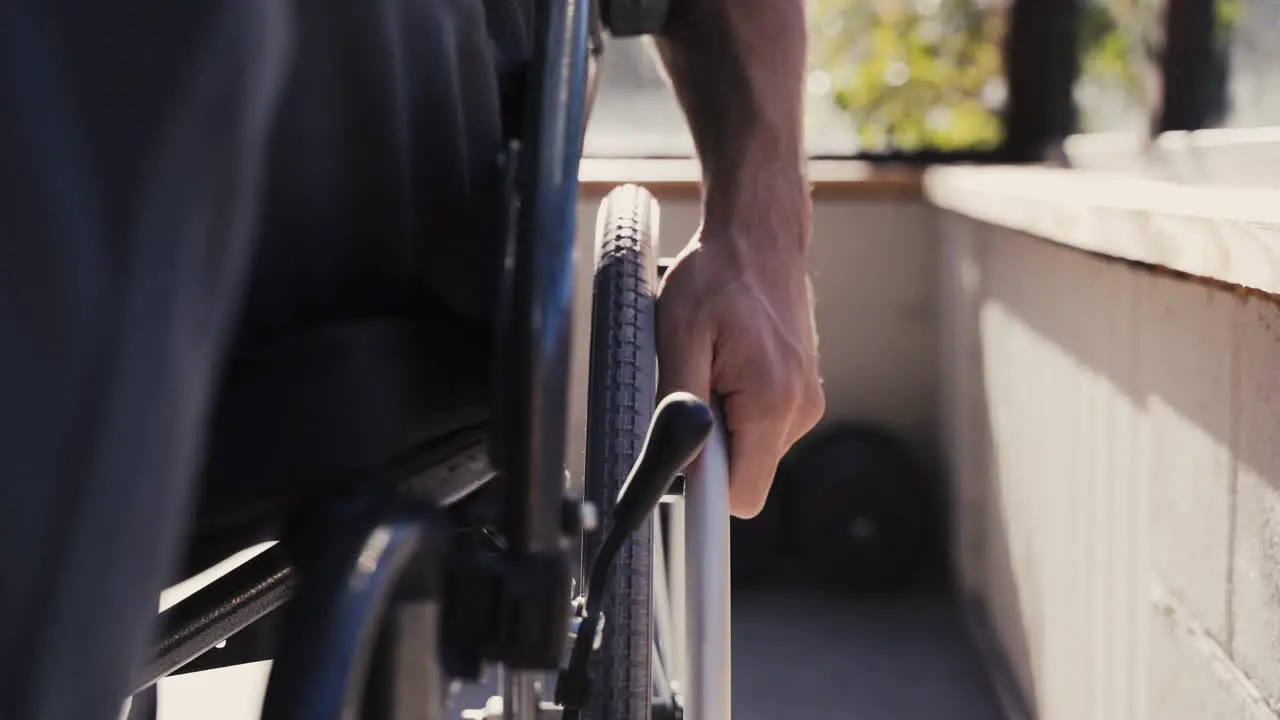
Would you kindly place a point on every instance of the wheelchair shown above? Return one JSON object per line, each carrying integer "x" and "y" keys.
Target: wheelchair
{"x": 448, "y": 550}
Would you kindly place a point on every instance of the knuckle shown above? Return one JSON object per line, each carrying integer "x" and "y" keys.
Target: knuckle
{"x": 772, "y": 394}
{"x": 781, "y": 390}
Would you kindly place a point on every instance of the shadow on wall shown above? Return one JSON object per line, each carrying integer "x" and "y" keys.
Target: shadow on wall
{"x": 1001, "y": 633}
{"x": 981, "y": 541}
{"x": 1049, "y": 326}
{"x": 1130, "y": 440}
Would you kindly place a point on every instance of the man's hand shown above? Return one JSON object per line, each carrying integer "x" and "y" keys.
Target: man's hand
{"x": 736, "y": 320}
{"x": 735, "y": 316}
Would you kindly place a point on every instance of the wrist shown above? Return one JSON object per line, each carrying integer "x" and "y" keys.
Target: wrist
{"x": 761, "y": 208}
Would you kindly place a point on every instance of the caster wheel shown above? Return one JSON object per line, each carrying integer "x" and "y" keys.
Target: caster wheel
{"x": 861, "y": 516}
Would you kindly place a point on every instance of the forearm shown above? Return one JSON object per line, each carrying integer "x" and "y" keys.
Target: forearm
{"x": 737, "y": 67}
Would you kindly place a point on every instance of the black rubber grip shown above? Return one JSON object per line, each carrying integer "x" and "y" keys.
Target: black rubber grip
{"x": 681, "y": 425}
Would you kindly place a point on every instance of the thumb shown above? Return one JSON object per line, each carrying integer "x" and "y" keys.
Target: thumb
{"x": 684, "y": 358}
{"x": 757, "y": 442}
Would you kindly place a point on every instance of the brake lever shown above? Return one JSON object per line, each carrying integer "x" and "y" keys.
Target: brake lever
{"x": 680, "y": 427}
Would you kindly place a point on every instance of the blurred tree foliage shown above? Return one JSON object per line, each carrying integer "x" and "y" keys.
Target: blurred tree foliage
{"x": 913, "y": 74}
{"x": 929, "y": 74}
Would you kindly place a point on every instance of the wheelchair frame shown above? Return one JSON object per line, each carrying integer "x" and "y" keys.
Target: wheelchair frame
{"x": 383, "y": 591}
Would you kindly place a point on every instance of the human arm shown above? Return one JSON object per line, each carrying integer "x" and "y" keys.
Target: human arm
{"x": 735, "y": 313}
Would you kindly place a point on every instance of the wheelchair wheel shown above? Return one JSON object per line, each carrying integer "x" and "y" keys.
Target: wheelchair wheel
{"x": 621, "y": 399}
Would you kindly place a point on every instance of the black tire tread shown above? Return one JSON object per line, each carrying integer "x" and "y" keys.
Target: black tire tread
{"x": 621, "y": 399}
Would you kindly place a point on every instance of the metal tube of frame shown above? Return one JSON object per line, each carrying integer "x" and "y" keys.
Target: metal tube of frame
{"x": 707, "y": 693}
{"x": 519, "y": 695}
{"x": 679, "y": 591}
{"x": 532, "y": 439}
{"x": 327, "y": 640}
{"x": 226, "y": 606}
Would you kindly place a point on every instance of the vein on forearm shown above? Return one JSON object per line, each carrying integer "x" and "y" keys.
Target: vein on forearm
{"x": 737, "y": 67}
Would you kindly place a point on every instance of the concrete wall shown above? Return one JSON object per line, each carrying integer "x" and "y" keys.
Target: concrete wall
{"x": 1113, "y": 438}
{"x": 873, "y": 263}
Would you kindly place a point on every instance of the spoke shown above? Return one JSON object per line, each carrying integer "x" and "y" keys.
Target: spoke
{"x": 662, "y": 685}
{"x": 662, "y": 617}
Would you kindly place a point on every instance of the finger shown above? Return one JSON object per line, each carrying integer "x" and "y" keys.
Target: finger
{"x": 808, "y": 414}
{"x": 758, "y": 437}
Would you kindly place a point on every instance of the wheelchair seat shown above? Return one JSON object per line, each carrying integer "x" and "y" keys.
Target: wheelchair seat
{"x": 327, "y": 410}
{"x": 363, "y": 346}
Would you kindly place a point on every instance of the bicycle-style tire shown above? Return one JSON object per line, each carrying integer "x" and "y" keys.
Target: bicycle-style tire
{"x": 621, "y": 399}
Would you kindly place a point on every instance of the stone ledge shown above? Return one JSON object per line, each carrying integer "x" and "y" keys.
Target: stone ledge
{"x": 1226, "y": 233}
{"x": 679, "y": 178}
